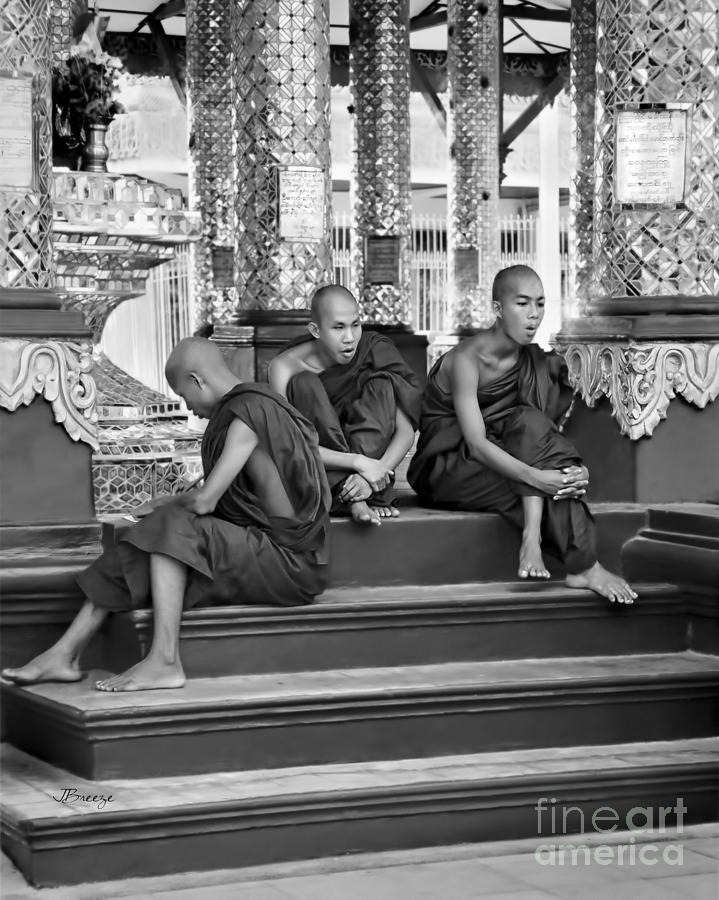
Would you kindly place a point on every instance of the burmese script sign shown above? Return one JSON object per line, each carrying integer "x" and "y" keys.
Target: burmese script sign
{"x": 16, "y": 143}
{"x": 650, "y": 162}
{"x": 382, "y": 259}
{"x": 223, "y": 260}
{"x": 466, "y": 270}
{"x": 301, "y": 210}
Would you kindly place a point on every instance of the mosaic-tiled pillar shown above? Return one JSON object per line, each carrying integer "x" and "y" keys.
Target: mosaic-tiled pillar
{"x": 63, "y": 14}
{"x": 380, "y": 185}
{"x": 647, "y": 326}
{"x": 281, "y": 150}
{"x": 582, "y": 90}
{"x": 45, "y": 472}
{"x": 650, "y": 52}
{"x": 474, "y": 45}
{"x": 26, "y": 222}
{"x": 209, "y": 94}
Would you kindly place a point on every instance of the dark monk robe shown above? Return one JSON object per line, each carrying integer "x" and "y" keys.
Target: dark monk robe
{"x": 354, "y": 406}
{"x": 238, "y": 554}
{"x": 520, "y": 411}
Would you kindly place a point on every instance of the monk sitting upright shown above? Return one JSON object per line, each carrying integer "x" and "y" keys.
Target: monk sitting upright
{"x": 254, "y": 533}
{"x": 489, "y": 439}
{"x": 360, "y": 395}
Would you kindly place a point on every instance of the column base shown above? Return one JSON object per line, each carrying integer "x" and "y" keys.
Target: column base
{"x": 675, "y": 464}
{"x": 255, "y": 338}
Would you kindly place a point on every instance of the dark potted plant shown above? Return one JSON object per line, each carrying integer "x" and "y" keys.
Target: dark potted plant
{"x": 83, "y": 94}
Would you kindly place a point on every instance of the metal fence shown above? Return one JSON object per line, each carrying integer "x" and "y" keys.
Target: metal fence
{"x": 430, "y": 307}
{"x": 141, "y": 332}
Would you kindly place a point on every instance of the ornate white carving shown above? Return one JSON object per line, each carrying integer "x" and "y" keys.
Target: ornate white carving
{"x": 641, "y": 379}
{"x": 60, "y": 371}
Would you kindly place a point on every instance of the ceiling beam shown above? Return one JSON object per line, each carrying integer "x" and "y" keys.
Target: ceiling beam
{"x": 535, "y": 13}
{"x": 167, "y": 55}
{"x": 435, "y": 105}
{"x": 542, "y": 99}
{"x": 163, "y": 11}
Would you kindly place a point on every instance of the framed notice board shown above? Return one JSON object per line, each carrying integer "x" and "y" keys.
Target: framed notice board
{"x": 651, "y": 156}
{"x": 382, "y": 259}
{"x": 301, "y": 193}
{"x": 18, "y": 147}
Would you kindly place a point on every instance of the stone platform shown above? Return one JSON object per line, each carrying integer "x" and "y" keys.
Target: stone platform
{"x": 427, "y": 698}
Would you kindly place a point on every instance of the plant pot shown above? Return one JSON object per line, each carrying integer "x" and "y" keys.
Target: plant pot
{"x": 95, "y": 152}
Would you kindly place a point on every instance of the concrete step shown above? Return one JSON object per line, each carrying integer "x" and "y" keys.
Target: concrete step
{"x": 409, "y": 625}
{"x": 167, "y": 825}
{"x": 354, "y": 715}
{"x": 426, "y": 546}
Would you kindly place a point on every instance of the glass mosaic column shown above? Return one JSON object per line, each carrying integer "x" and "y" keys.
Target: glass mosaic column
{"x": 380, "y": 187}
{"x": 651, "y": 52}
{"x": 43, "y": 349}
{"x": 582, "y": 90}
{"x": 62, "y": 16}
{"x": 209, "y": 94}
{"x": 474, "y": 44}
{"x": 26, "y": 223}
{"x": 281, "y": 150}
{"x": 646, "y": 223}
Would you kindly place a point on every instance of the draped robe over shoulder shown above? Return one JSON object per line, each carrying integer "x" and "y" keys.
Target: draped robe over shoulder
{"x": 520, "y": 410}
{"x": 239, "y": 554}
{"x": 354, "y": 406}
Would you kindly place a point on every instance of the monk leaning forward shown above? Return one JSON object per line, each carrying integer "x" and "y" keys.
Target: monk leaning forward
{"x": 360, "y": 395}
{"x": 255, "y": 532}
{"x": 489, "y": 439}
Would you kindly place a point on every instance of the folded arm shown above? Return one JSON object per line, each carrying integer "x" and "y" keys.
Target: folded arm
{"x": 465, "y": 382}
{"x": 240, "y": 443}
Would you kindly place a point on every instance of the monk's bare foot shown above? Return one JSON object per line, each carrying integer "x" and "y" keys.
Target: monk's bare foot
{"x": 48, "y": 666}
{"x": 604, "y": 583}
{"x": 385, "y": 512}
{"x": 149, "y": 675}
{"x": 531, "y": 562}
{"x": 363, "y": 514}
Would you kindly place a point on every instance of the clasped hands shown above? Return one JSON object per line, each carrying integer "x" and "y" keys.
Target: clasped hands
{"x": 370, "y": 475}
{"x": 569, "y": 483}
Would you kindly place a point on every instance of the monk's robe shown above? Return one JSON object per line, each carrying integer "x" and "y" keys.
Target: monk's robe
{"x": 354, "y": 406}
{"x": 521, "y": 410}
{"x": 239, "y": 554}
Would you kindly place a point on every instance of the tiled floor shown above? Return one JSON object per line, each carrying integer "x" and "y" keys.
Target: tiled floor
{"x": 675, "y": 867}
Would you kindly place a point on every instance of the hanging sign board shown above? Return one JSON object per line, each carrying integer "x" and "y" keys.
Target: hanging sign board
{"x": 301, "y": 203}
{"x": 382, "y": 259}
{"x": 466, "y": 270}
{"x": 16, "y": 136}
{"x": 223, "y": 267}
{"x": 651, "y": 148}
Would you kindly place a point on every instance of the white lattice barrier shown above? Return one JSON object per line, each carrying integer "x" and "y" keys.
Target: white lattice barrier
{"x": 141, "y": 332}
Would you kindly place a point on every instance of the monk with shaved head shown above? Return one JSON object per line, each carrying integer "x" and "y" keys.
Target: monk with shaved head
{"x": 489, "y": 439}
{"x": 254, "y": 532}
{"x": 360, "y": 395}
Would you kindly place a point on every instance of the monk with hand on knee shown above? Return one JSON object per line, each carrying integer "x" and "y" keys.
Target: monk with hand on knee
{"x": 360, "y": 395}
{"x": 255, "y": 532}
{"x": 489, "y": 439}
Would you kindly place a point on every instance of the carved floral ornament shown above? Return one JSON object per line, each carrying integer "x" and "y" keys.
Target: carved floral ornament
{"x": 640, "y": 380}
{"x": 60, "y": 372}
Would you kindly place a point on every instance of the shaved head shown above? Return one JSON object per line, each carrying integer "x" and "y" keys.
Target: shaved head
{"x": 509, "y": 278}
{"x": 328, "y": 298}
{"x": 194, "y": 354}
{"x": 197, "y": 371}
